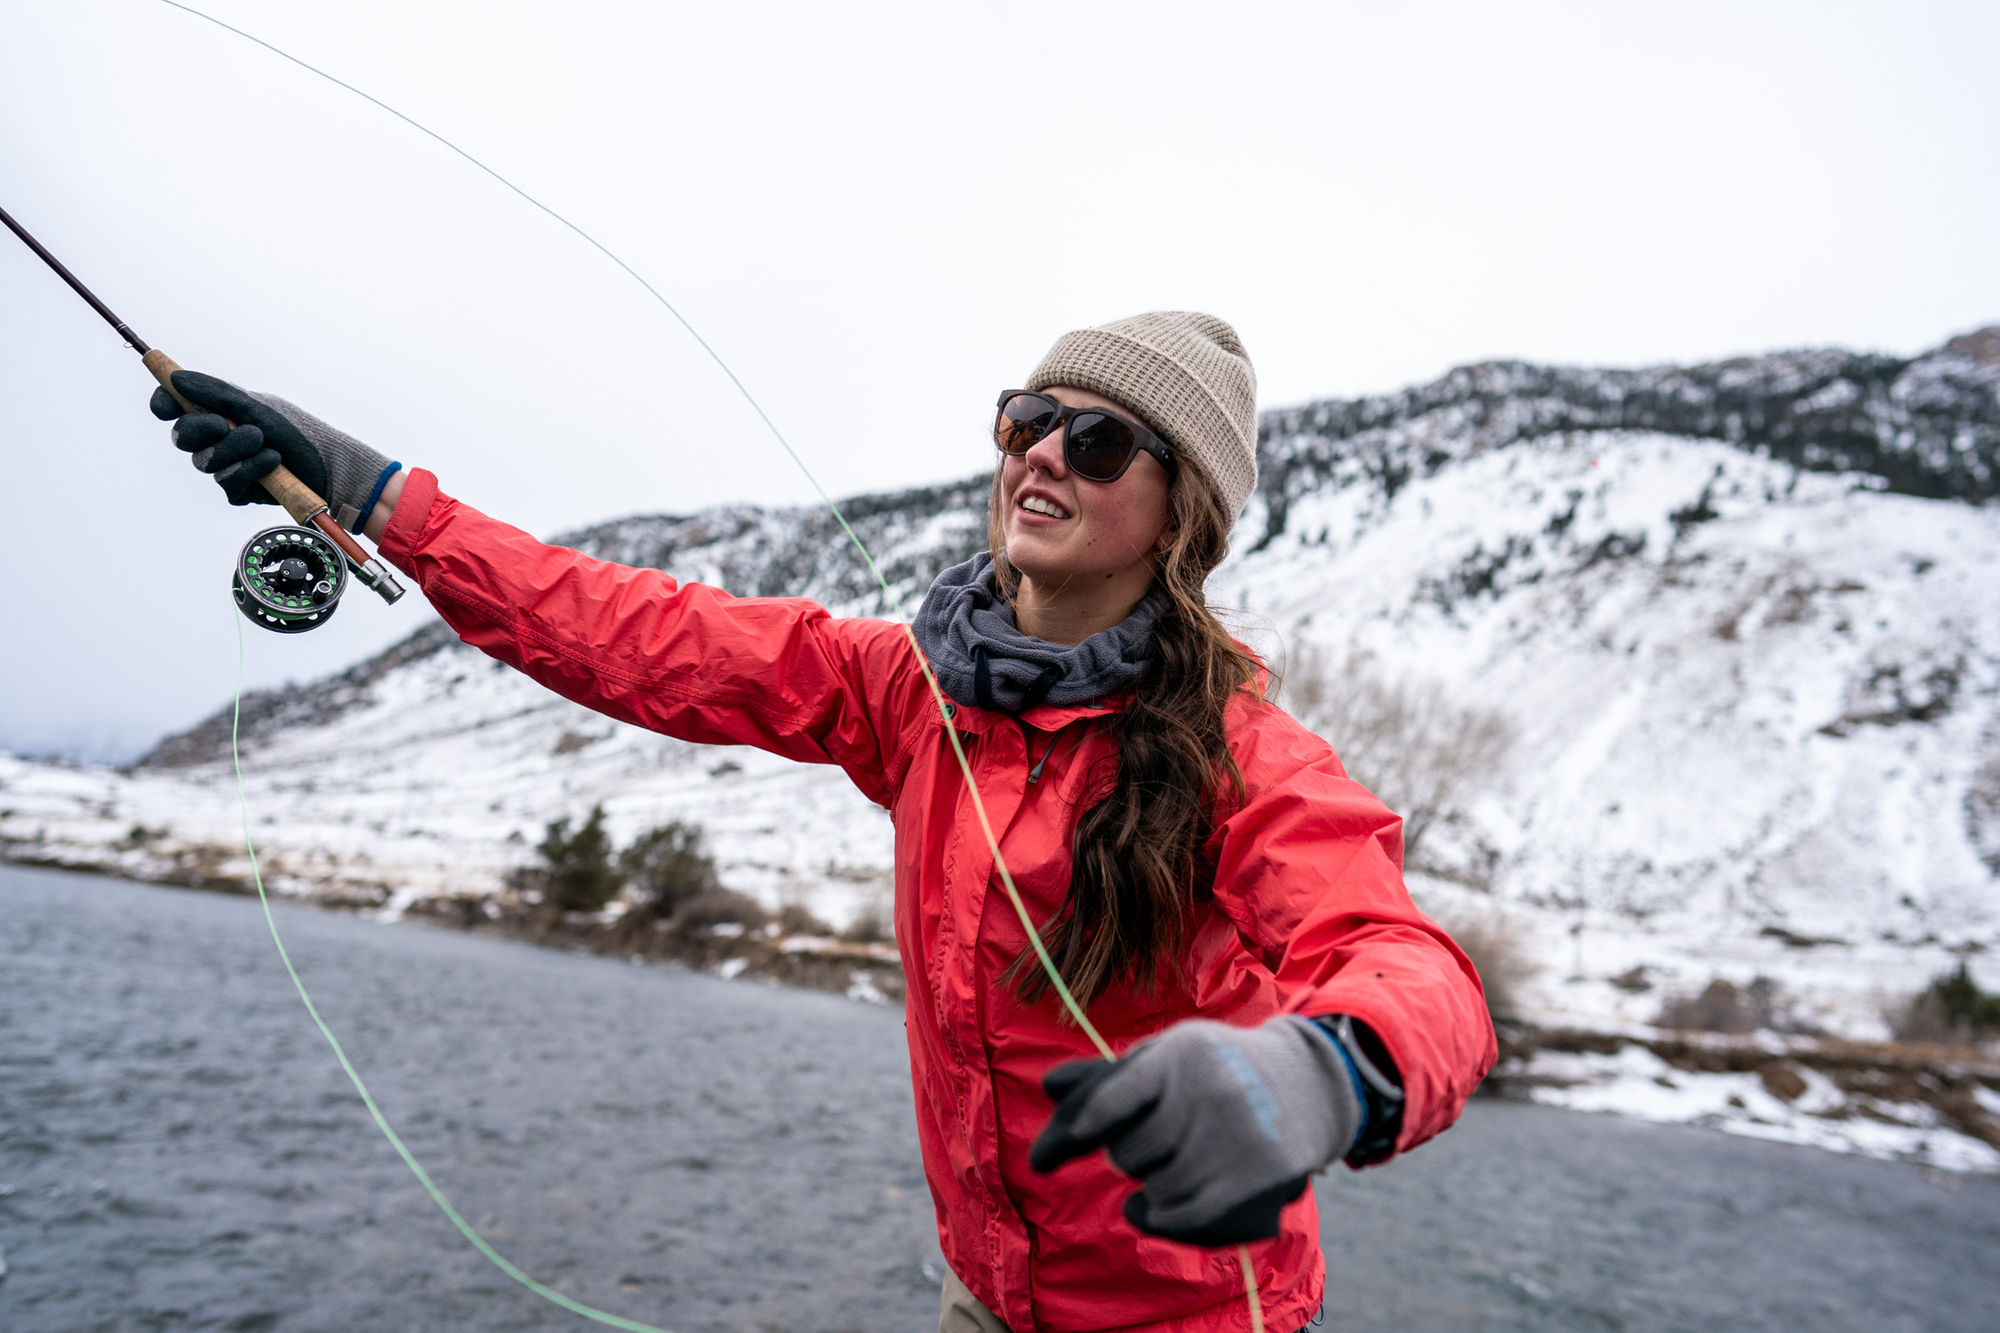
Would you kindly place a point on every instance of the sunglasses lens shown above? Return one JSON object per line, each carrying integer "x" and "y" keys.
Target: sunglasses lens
{"x": 1024, "y": 419}
{"x": 1099, "y": 446}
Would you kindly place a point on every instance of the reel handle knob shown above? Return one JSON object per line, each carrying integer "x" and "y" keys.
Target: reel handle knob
{"x": 298, "y": 499}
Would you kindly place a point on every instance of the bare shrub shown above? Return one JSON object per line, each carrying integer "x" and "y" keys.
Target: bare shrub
{"x": 1951, "y": 1011}
{"x": 795, "y": 919}
{"x": 874, "y": 919}
{"x": 1921, "y": 1018}
{"x": 1982, "y": 804}
{"x": 1403, "y": 739}
{"x": 1723, "y": 1006}
{"x": 1503, "y": 959}
{"x": 868, "y": 927}
{"x": 717, "y": 907}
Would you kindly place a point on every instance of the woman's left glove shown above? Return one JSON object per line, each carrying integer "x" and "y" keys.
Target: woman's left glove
{"x": 1221, "y": 1125}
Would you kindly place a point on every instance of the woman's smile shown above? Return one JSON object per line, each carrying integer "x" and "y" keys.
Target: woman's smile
{"x": 1035, "y": 503}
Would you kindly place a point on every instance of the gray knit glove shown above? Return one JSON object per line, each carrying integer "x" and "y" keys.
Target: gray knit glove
{"x": 1221, "y": 1125}
{"x": 343, "y": 471}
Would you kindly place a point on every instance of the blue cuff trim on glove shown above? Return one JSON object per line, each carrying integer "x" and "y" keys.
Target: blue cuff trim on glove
{"x": 374, "y": 495}
{"x": 1353, "y": 1077}
{"x": 1381, "y": 1092}
{"x": 1360, "y": 1094}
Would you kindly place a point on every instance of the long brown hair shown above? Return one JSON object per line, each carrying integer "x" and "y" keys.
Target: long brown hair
{"x": 1136, "y": 859}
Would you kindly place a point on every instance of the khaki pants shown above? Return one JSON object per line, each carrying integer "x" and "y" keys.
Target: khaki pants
{"x": 961, "y": 1312}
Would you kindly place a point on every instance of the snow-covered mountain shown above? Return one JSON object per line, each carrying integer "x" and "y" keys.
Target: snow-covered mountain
{"x": 1740, "y": 621}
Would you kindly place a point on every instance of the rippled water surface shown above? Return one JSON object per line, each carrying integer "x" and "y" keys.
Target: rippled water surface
{"x": 178, "y": 1150}
{"x": 183, "y": 1152}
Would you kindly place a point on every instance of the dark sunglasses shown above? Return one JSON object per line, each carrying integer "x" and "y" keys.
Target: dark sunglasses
{"x": 1098, "y": 445}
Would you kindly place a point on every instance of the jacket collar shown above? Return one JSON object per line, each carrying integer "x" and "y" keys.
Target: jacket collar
{"x": 1044, "y": 717}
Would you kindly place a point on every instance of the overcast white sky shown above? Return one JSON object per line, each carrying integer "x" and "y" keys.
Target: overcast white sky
{"x": 880, "y": 214}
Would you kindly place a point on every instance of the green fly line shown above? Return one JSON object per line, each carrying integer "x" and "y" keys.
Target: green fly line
{"x": 465, "y": 1228}
{"x": 889, "y": 593}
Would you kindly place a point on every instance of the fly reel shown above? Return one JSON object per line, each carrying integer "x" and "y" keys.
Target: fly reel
{"x": 289, "y": 579}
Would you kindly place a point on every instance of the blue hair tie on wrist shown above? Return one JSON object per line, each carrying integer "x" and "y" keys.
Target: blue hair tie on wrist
{"x": 375, "y": 494}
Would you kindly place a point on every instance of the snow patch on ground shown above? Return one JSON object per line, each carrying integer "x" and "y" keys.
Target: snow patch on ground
{"x": 1635, "y": 1082}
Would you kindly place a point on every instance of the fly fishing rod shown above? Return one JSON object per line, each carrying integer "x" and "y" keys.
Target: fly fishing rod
{"x": 287, "y": 579}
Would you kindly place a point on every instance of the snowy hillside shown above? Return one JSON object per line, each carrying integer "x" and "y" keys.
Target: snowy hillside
{"x": 1741, "y": 622}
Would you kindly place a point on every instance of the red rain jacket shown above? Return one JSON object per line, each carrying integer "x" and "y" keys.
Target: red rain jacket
{"x": 1308, "y": 912}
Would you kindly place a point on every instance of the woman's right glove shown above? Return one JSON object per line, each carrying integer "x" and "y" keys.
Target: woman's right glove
{"x": 343, "y": 471}
{"x": 1221, "y": 1125}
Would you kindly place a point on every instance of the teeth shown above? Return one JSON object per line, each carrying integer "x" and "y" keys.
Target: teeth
{"x": 1035, "y": 504}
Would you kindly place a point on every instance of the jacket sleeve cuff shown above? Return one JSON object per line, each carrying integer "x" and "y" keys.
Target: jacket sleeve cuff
{"x": 406, "y": 525}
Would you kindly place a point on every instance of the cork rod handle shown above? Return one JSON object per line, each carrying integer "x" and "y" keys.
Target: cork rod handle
{"x": 297, "y": 497}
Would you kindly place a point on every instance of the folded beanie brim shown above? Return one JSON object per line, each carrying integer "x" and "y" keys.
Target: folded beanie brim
{"x": 1186, "y": 375}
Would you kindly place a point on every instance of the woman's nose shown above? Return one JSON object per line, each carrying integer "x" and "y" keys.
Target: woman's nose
{"x": 1046, "y": 454}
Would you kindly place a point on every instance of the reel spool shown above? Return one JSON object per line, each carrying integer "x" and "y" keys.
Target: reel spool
{"x": 289, "y": 579}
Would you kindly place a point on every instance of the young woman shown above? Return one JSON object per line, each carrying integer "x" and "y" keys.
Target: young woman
{"x": 1225, "y": 903}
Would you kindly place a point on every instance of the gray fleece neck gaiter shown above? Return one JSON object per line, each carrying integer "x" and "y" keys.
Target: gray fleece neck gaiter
{"x": 967, "y": 631}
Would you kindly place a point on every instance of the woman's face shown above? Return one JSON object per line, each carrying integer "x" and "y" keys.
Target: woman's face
{"x": 1062, "y": 531}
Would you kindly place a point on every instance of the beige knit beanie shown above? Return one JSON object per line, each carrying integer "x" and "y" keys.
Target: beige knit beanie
{"x": 1186, "y": 375}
